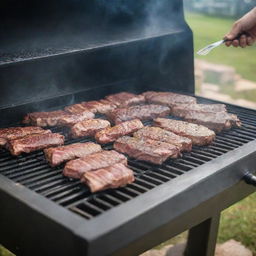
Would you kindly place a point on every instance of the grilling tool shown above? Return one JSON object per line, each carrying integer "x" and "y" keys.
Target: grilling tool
{"x": 207, "y": 49}
{"x": 210, "y": 47}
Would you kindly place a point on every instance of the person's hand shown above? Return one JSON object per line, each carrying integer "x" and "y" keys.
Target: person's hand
{"x": 243, "y": 31}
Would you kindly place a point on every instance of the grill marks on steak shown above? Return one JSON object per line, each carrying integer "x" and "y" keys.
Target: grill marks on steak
{"x": 168, "y": 98}
{"x": 70, "y": 120}
{"x": 56, "y": 118}
{"x": 78, "y": 108}
{"x": 100, "y": 106}
{"x": 44, "y": 118}
{"x": 159, "y": 134}
{"x": 146, "y": 149}
{"x": 94, "y": 106}
{"x": 76, "y": 168}
{"x": 117, "y": 175}
{"x": 58, "y": 155}
{"x": 215, "y": 121}
{"x": 142, "y": 112}
{"x": 200, "y": 135}
{"x": 12, "y": 133}
{"x": 110, "y": 134}
{"x": 88, "y": 127}
{"x": 183, "y": 109}
{"x": 125, "y": 99}
{"x": 34, "y": 142}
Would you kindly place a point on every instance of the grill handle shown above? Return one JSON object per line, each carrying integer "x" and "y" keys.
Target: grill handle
{"x": 250, "y": 179}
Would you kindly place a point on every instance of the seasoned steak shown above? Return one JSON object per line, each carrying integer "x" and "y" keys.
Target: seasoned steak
{"x": 100, "y": 106}
{"x": 142, "y": 112}
{"x": 215, "y": 121}
{"x": 125, "y": 99}
{"x": 78, "y": 108}
{"x": 94, "y": 106}
{"x": 200, "y": 135}
{"x": 169, "y": 99}
{"x": 146, "y": 149}
{"x": 76, "y": 168}
{"x": 58, "y": 155}
{"x": 72, "y": 119}
{"x": 12, "y": 133}
{"x": 114, "y": 176}
{"x": 34, "y": 142}
{"x": 112, "y": 133}
{"x": 184, "y": 109}
{"x": 88, "y": 127}
{"x": 159, "y": 134}
{"x": 44, "y": 118}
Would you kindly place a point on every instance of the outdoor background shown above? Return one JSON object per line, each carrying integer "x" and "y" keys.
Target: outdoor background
{"x": 226, "y": 74}
{"x": 234, "y": 82}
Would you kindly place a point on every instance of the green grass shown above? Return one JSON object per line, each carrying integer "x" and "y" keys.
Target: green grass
{"x": 209, "y": 29}
{"x": 239, "y": 223}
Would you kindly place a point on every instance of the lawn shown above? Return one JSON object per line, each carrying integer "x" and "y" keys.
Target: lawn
{"x": 209, "y": 29}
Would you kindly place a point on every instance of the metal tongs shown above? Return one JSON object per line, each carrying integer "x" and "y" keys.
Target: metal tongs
{"x": 210, "y": 47}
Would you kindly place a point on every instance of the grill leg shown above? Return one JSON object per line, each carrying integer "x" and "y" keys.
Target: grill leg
{"x": 202, "y": 238}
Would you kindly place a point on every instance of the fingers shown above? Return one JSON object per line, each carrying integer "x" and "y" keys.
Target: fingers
{"x": 235, "y": 43}
{"x": 228, "y": 43}
{"x": 250, "y": 41}
{"x": 243, "y": 41}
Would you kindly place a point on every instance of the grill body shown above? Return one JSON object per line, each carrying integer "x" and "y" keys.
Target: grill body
{"x": 44, "y": 213}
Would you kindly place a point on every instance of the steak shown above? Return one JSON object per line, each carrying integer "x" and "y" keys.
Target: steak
{"x": 76, "y": 168}
{"x": 12, "y": 133}
{"x": 58, "y": 155}
{"x": 168, "y": 98}
{"x": 184, "y": 109}
{"x": 215, "y": 121}
{"x": 94, "y": 106}
{"x": 72, "y": 119}
{"x": 159, "y": 134}
{"x": 100, "y": 106}
{"x": 125, "y": 99}
{"x": 112, "y": 133}
{"x": 34, "y": 142}
{"x": 142, "y": 112}
{"x": 44, "y": 118}
{"x": 146, "y": 149}
{"x": 200, "y": 135}
{"x": 88, "y": 127}
{"x": 117, "y": 175}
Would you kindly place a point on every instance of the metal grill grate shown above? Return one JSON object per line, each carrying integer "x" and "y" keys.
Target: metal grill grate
{"x": 33, "y": 171}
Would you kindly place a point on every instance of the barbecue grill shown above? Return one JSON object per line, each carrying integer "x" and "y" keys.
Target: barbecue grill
{"x": 76, "y": 51}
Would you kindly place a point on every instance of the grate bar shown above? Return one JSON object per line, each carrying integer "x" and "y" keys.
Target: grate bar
{"x": 33, "y": 171}
{"x": 65, "y": 193}
{"x": 36, "y": 174}
{"x": 59, "y": 189}
{"x": 81, "y": 212}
